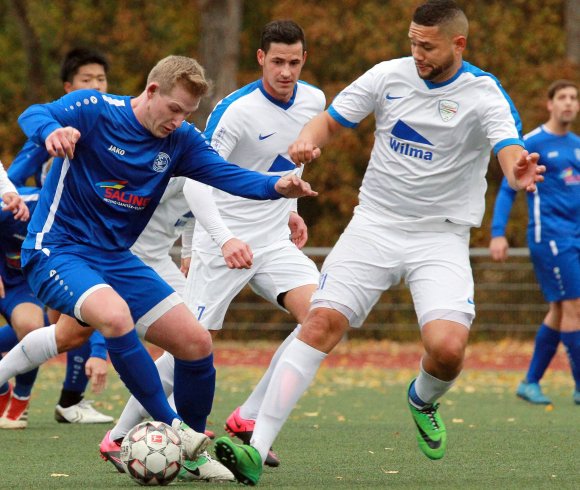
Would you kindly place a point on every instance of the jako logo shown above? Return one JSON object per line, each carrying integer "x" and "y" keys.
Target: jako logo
{"x": 402, "y": 131}
{"x": 116, "y": 150}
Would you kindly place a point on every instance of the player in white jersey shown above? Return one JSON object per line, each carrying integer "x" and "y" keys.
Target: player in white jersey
{"x": 437, "y": 119}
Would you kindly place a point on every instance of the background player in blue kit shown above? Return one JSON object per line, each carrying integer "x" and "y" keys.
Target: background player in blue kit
{"x": 553, "y": 237}
{"x": 20, "y": 307}
{"x": 117, "y": 156}
{"x": 81, "y": 68}
{"x": 437, "y": 119}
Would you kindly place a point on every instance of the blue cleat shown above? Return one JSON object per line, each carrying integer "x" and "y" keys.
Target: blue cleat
{"x": 576, "y": 397}
{"x": 531, "y": 392}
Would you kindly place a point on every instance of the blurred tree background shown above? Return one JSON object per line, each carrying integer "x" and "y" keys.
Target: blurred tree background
{"x": 525, "y": 43}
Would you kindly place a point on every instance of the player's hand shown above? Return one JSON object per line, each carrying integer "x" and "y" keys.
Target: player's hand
{"x": 527, "y": 172}
{"x": 298, "y": 229}
{"x": 292, "y": 186}
{"x": 302, "y": 151}
{"x": 2, "y": 290}
{"x": 184, "y": 267}
{"x": 96, "y": 371}
{"x": 498, "y": 248}
{"x": 237, "y": 254}
{"x": 13, "y": 202}
{"x": 62, "y": 141}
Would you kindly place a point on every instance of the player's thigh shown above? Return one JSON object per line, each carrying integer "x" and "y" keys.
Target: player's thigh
{"x": 438, "y": 272}
{"x": 365, "y": 262}
{"x": 283, "y": 269}
{"x": 211, "y": 286}
{"x": 557, "y": 266}
{"x": 179, "y": 333}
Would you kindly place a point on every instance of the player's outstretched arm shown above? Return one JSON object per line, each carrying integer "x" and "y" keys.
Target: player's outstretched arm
{"x": 293, "y": 186}
{"x": 312, "y": 138}
{"x": 521, "y": 168}
{"x": 14, "y": 203}
{"x": 499, "y": 248}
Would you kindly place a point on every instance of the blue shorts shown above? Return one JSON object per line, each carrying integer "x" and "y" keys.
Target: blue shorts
{"x": 16, "y": 295}
{"x": 63, "y": 277}
{"x": 557, "y": 266}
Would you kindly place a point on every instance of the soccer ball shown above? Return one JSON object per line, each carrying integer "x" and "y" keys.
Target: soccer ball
{"x": 151, "y": 452}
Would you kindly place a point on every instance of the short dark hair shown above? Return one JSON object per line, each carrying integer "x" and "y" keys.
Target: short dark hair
{"x": 559, "y": 85}
{"x": 78, "y": 57}
{"x": 438, "y": 12}
{"x": 282, "y": 31}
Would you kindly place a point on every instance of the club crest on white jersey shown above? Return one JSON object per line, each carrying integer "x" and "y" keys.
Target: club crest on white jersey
{"x": 447, "y": 109}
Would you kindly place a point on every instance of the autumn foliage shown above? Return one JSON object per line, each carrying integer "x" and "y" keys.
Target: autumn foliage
{"x": 522, "y": 42}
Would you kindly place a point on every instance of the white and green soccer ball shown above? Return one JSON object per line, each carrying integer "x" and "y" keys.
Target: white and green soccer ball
{"x": 151, "y": 453}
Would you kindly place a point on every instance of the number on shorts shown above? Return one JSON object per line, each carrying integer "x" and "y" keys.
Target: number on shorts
{"x": 200, "y": 310}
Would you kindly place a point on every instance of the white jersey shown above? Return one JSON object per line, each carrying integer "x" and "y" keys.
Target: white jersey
{"x": 167, "y": 223}
{"x": 6, "y": 184}
{"x": 432, "y": 142}
{"x": 254, "y": 130}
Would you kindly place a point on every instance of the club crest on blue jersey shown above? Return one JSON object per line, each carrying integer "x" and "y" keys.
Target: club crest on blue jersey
{"x": 447, "y": 109}
{"x": 113, "y": 193}
{"x": 161, "y": 162}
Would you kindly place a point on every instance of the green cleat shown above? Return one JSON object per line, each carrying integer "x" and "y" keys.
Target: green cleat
{"x": 242, "y": 460}
{"x": 431, "y": 433}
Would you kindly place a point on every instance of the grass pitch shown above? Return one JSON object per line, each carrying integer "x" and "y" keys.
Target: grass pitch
{"x": 351, "y": 430}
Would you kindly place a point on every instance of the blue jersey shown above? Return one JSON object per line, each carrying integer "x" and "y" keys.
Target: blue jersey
{"x": 12, "y": 233}
{"x": 30, "y": 161}
{"x": 105, "y": 195}
{"x": 553, "y": 210}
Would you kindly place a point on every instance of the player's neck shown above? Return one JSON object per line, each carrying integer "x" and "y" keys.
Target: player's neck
{"x": 556, "y": 127}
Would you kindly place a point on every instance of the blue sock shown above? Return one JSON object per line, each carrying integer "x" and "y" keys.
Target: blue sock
{"x": 547, "y": 340}
{"x": 76, "y": 379}
{"x": 137, "y": 370}
{"x": 414, "y": 398}
{"x": 194, "y": 387}
{"x": 571, "y": 341}
{"x": 8, "y": 338}
{"x": 24, "y": 383}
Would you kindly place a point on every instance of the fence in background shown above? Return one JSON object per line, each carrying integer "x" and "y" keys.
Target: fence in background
{"x": 508, "y": 303}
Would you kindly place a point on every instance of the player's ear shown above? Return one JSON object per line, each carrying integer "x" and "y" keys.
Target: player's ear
{"x": 460, "y": 43}
{"x": 261, "y": 55}
{"x": 152, "y": 88}
{"x": 67, "y": 86}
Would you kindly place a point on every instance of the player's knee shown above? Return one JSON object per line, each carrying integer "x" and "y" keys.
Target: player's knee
{"x": 116, "y": 322}
{"x": 25, "y": 326}
{"x": 194, "y": 343}
{"x": 449, "y": 353}
{"x": 322, "y": 329}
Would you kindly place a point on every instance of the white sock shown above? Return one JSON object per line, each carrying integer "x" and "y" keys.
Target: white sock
{"x": 251, "y": 407}
{"x": 134, "y": 413}
{"x": 293, "y": 374}
{"x": 429, "y": 388}
{"x": 34, "y": 349}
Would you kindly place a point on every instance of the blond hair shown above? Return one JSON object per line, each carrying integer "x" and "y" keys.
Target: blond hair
{"x": 182, "y": 70}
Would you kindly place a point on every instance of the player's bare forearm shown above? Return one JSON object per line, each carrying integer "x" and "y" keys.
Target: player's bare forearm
{"x": 521, "y": 168}
{"x": 312, "y": 138}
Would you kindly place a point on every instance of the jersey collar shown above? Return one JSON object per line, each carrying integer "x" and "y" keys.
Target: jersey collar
{"x": 279, "y": 103}
{"x": 432, "y": 85}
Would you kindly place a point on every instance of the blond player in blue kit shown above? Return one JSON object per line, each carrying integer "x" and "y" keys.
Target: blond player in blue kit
{"x": 437, "y": 119}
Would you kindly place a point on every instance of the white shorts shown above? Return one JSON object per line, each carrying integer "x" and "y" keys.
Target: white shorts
{"x": 211, "y": 286}
{"x": 169, "y": 272}
{"x": 371, "y": 256}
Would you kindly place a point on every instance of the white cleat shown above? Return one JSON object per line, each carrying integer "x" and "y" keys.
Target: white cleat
{"x": 81, "y": 413}
{"x": 192, "y": 443}
{"x": 205, "y": 468}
